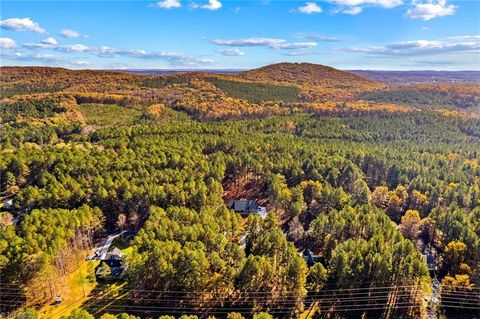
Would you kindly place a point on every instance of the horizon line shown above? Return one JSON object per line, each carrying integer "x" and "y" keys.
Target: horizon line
{"x": 232, "y": 70}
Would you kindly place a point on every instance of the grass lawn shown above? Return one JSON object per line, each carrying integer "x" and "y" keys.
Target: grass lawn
{"x": 107, "y": 298}
{"x": 77, "y": 291}
{"x": 95, "y": 297}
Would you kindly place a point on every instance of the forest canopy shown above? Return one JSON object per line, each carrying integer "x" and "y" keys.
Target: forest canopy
{"x": 360, "y": 195}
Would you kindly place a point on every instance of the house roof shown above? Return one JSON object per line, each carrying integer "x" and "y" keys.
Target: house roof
{"x": 243, "y": 205}
{"x": 116, "y": 251}
{"x": 114, "y": 254}
{"x": 8, "y": 204}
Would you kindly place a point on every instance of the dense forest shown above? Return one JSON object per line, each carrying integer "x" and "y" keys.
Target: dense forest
{"x": 463, "y": 96}
{"x": 363, "y": 185}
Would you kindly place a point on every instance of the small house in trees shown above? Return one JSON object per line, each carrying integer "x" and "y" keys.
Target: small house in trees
{"x": 310, "y": 258}
{"x": 112, "y": 266}
{"x": 8, "y": 204}
{"x": 430, "y": 261}
{"x": 247, "y": 207}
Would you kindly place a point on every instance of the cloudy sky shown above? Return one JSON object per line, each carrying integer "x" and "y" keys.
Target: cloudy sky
{"x": 219, "y": 34}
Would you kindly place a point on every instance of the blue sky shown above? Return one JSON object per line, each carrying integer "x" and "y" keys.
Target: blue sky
{"x": 216, "y": 34}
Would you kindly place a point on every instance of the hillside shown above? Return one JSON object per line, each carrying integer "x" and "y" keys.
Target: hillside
{"x": 23, "y": 80}
{"x": 308, "y": 74}
{"x": 278, "y": 89}
{"x": 317, "y": 82}
{"x": 303, "y": 88}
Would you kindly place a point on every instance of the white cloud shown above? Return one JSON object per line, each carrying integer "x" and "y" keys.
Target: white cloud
{"x": 379, "y": 3}
{"x": 231, "y": 52}
{"x": 73, "y": 48}
{"x": 296, "y": 45}
{"x": 354, "y": 7}
{"x": 48, "y": 59}
{"x": 310, "y": 8}
{"x": 68, "y": 33}
{"x": 250, "y": 42}
{"x": 81, "y": 62}
{"x": 42, "y": 57}
{"x": 50, "y": 41}
{"x": 168, "y": 4}
{"x": 25, "y": 24}
{"x": 7, "y": 43}
{"x": 212, "y": 5}
{"x": 317, "y": 37}
{"x": 352, "y": 10}
{"x": 30, "y": 57}
{"x": 272, "y": 43}
{"x": 465, "y": 38}
{"x": 35, "y": 46}
{"x": 461, "y": 44}
{"x": 425, "y": 28}
{"x": 109, "y": 52}
{"x": 175, "y": 58}
{"x": 52, "y": 44}
{"x": 430, "y": 9}
{"x": 302, "y": 53}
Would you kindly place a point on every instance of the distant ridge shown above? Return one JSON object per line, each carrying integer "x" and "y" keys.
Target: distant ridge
{"x": 390, "y": 77}
{"x": 176, "y": 71}
{"x": 306, "y": 74}
{"x": 426, "y": 76}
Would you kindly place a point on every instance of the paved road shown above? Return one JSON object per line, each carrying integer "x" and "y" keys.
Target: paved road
{"x": 101, "y": 252}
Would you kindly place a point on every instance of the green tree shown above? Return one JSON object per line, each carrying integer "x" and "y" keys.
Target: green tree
{"x": 78, "y": 314}
{"x": 455, "y": 252}
{"x": 105, "y": 270}
{"x": 235, "y": 315}
{"x": 410, "y": 224}
{"x": 28, "y": 313}
{"x": 317, "y": 277}
{"x": 361, "y": 192}
{"x": 262, "y": 315}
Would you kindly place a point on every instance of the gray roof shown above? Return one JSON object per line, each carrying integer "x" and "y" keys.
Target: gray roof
{"x": 243, "y": 205}
{"x": 114, "y": 254}
{"x": 8, "y": 204}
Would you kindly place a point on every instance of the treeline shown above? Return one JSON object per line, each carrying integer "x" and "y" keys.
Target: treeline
{"x": 36, "y": 253}
{"x": 38, "y": 108}
{"x": 466, "y": 96}
{"x": 27, "y": 89}
{"x": 257, "y": 92}
{"x": 30, "y": 313}
{"x": 163, "y": 81}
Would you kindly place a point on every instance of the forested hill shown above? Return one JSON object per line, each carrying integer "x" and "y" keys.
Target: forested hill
{"x": 278, "y": 89}
{"x": 372, "y": 196}
{"x": 308, "y": 74}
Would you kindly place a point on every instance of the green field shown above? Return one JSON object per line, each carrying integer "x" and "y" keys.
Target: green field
{"x": 257, "y": 92}
{"x": 109, "y": 114}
